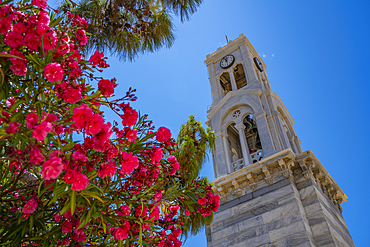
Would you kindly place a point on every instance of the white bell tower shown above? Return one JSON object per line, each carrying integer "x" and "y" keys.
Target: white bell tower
{"x": 272, "y": 193}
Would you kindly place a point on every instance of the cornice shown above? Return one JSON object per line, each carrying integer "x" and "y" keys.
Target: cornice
{"x": 230, "y": 94}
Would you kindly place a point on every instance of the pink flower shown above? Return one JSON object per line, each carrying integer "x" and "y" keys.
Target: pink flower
{"x": 53, "y": 72}
{"x": 40, "y": 132}
{"x": 141, "y": 211}
{"x": 14, "y": 40}
{"x": 52, "y": 168}
{"x": 51, "y": 118}
{"x": 129, "y": 163}
{"x": 157, "y": 196}
{"x": 36, "y": 156}
{"x": 79, "y": 156}
{"x": 58, "y": 218}
{"x": 95, "y": 125}
{"x": 107, "y": 169}
{"x": 79, "y": 235}
{"x": 19, "y": 27}
{"x": 30, "y": 206}
{"x": 12, "y": 128}
{"x": 120, "y": 233}
{"x": 105, "y": 133}
{"x": 202, "y": 201}
{"x": 49, "y": 41}
{"x": 32, "y": 41}
{"x": 81, "y": 36}
{"x": 71, "y": 95}
{"x": 106, "y": 87}
{"x": 157, "y": 156}
{"x": 112, "y": 152}
{"x": 43, "y": 17}
{"x": 31, "y": 120}
{"x": 40, "y": 3}
{"x": 81, "y": 115}
{"x": 67, "y": 226}
{"x": 66, "y": 241}
{"x": 163, "y": 134}
{"x": 97, "y": 59}
{"x": 154, "y": 215}
{"x": 5, "y": 24}
{"x": 19, "y": 69}
{"x": 80, "y": 182}
{"x": 125, "y": 210}
{"x": 175, "y": 165}
{"x": 130, "y": 116}
{"x": 131, "y": 135}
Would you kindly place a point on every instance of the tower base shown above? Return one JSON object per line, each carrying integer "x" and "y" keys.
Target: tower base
{"x": 283, "y": 200}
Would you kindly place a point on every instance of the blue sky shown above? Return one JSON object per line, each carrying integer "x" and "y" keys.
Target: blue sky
{"x": 317, "y": 57}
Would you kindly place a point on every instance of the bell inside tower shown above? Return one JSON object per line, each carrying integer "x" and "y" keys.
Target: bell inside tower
{"x": 253, "y": 138}
{"x": 239, "y": 76}
{"x": 225, "y": 83}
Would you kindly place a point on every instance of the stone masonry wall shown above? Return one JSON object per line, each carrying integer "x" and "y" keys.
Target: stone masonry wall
{"x": 289, "y": 212}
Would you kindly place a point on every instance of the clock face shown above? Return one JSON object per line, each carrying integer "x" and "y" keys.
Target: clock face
{"x": 258, "y": 64}
{"x": 227, "y": 61}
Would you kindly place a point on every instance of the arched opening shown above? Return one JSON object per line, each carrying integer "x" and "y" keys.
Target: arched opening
{"x": 239, "y": 75}
{"x": 287, "y": 130}
{"x": 235, "y": 149}
{"x": 225, "y": 83}
{"x": 253, "y": 138}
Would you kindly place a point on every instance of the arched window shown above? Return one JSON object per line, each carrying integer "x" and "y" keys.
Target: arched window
{"x": 235, "y": 149}
{"x": 253, "y": 138}
{"x": 225, "y": 83}
{"x": 239, "y": 75}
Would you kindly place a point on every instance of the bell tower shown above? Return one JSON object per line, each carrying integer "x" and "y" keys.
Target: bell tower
{"x": 272, "y": 193}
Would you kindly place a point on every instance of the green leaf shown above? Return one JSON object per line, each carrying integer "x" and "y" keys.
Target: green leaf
{"x": 35, "y": 60}
{"x": 31, "y": 222}
{"x": 66, "y": 207}
{"x": 49, "y": 56}
{"x": 16, "y": 104}
{"x": 55, "y": 21}
{"x": 15, "y": 116}
{"x": 73, "y": 201}
{"x": 104, "y": 225}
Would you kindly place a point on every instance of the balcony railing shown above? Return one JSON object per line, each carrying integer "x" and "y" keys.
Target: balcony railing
{"x": 238, "y": 164}
{"x": 256, "y": 156}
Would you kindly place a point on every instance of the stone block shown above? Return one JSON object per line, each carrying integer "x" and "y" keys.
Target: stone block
{"x": 324, "y": 240}
{"x": 304, "y": 183}
{"x": 299, "y": 240}
{"x": 287, "y": 230}
{"x": 254, "y": 237}
{"x": 265, "y": 199}
{"x": 318, "y": 224}
{"x": 224, "y": 232}
{"x": 250, "y": 223}
{"x": 307, "y": 192}
{"x": 286, "y": 206}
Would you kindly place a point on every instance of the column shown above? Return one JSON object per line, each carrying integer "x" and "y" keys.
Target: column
{"x": 232, "y": 79}
{"x": 246, "y": 155}
{"x": 227, "y": 153}
{"x": 248, "y": 64}
{"x": 265, "y": 136}
{"x": 220, "y": 164}
{"x": 215, "y": 85}
{"x": 281, "y": 131}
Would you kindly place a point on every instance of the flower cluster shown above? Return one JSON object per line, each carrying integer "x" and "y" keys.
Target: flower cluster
{"x": 70, "y": 176}
{"x": 209, "y": 203}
